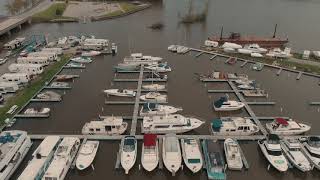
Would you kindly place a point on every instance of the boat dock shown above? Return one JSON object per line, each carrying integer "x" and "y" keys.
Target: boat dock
{"x": 118, "y": 161}
{"x": 261, "y": 103}
{"x": 50, "y": 87}
{"x": 279, "y": 71}
{"x": 244, "y": 63}
{"x": 160, "y": 153}
{"x": 143, "y": 80}
{"x": 31, "y": 116}
{"x": 214, "y": 56}
{"x": 129, "y": 102}
{"x": 315, "y": 103}
{"x": 45, "y": 100}
{"x": 74, "y": 67}
{"x": 199, "y": 54}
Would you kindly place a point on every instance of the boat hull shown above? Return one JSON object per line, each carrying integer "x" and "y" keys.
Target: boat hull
{"x": 84, "y": 161}
{"x": 193, "y": 167}
{"x": 148, "y": 165}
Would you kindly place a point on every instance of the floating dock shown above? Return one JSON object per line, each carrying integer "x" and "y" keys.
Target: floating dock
{"x": 214, "y": 56}
{"x": 50, "y": 87}
{"x": 244, "y": 159}
{"x": 32, "y": 116}
{"x": 45, "y": 100}
{"x": 299, "y": 75}
{"x": 73, "y": 164}
{"x": 118, "y": 161}
{"x": 261, "y": 103}
{"x": 130, "y": 102}
{"x": 244, "y": 63}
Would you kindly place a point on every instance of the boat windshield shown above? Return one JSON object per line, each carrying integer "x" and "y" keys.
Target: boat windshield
{"x": 274, "y": 152}
{"x": 193, "y": 161}
{"x": 128, "y": 145}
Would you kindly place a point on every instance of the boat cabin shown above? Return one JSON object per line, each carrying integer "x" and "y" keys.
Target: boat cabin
{"x": 110, "y": 125}
{"x": 95, "y": 44}
{"x": 8, "y": 87}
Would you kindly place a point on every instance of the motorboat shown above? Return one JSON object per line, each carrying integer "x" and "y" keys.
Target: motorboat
{"x": 154, "y": 87}
{"x": 37, "y": 112}
{"x": 316, "y": 54}
{"x": 271, "y": 149}
{"x": 255, "y": 93}
{"x": 215, "y": 165}
{"x": 255, "y": 48}
{"x": 90, "y": 53}
{"x": 231, "y": 45}
{"x": 108, "y": 125}
{"x": 172, "y": 123}
{"x": 282, "y": 126}
{"x": 153, "y": 109}
{"x": 257, "y": 66}
{"x": 232, "y": 152}
{"x": 162, "y": 67}
{"x": 182, "y": 49}
{"x": 128, "y": 153}
{"x": 14, "y": 145}
{"x": 191, "y": 154}
{"x": 3, "y": 60}
{"x": 244, "y": 51}
{"x": 49, "y": 95}
{"x": 312, "y": 150}
{"x": 120, "y": 92}
{"x": 278, "y": 53}
{"x": 86, "y": 155}
{"x": 171, "y": 153}
{"x": 81, "y": 59}
{"x": 126, "y": 67}
{"x": 293, "y": 152}
{"x": 65, "y": 77}
{"x": 138, "y": 58}
{"x": 75, "y": 65}
{"x": 256, "y": 55}
{"x": 224, "y": 104}
{"x": 154, "y": 97}
{"x": 233, "y": 126}
{"x": 173, "y": 48}
{"x": 229, "y": 50}
{"x": 59, "y": 85}
{"x": 150, "y": 152}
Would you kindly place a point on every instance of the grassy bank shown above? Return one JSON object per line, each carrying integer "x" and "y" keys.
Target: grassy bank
{"x": 24, "y": 95}
{"x": 55, "y": 11}
{"x": 127, "y": 8}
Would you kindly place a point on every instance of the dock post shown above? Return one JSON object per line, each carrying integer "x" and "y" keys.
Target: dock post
{"x": 278, "y": 73}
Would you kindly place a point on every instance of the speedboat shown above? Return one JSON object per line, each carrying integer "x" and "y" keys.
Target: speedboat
{"x": 153, "y": 109}
{"x": 162, "y": 67}
{"x": 172, "y": 123}
{"x": 90, "y": 53}
{"x": 257, "y": 66}
{"x": 154, "y": 97}
{"x": 150, "y": 152}
{"x": 173, "y": 48}
{"x": 138, "y": 58}
{"x": 59, "y": 85}
{"x": 271, "y": 149}
{"x": 128, "y": 153}
{"x": 292, "y": 150}
{"x": 154, "y": 87}
{"x": 224, "y": 104}
{"x": 278, "y": 53}
{"x": 282, "y": 126}
{"x": 87, "y": 153}
{"x": 171, "y": 153}
{"x": 191, "y": 154}
{"x": 108, "y": 125}
{"x": 49, "y": 95}
{"x": 120, "y": 92}
{"x": 235, "y": 126}
{"x": 182, "y": 49}
{"x": 233, "y": 155}
{"x": 37, "y": 112}
{"x": 312, "y": 150}
{"x": 81, "y": 59}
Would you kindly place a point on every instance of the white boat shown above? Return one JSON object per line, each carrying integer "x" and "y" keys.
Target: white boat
{"x": 3, "y": 60}
{"x": 128, "y": 153}
{"x": 243, "y": 81}
{"x": 150, "y": 152}
{"x": 233, "y": 155}
{"x": 173, "y": 48}
{"x": 258, "y": 55}
{"x": 172, "y": 123}
{"x": 49, "y": 95}
{"x": 224, "y": 104}
{"x": 191, "y": 154}
{"x": 278, "y": 53}
{"x": 229, "y": 50}
{"x": 293, "y": 151}
{"x": 90, "y": 53}
{"x": 138, "y": 58}
{"x": 162, "y": 67}
{"x": 153, "y": 109}
{"x": 171, "y": 153}
{"x": 235, "y": 126}
{"x": 271, "y": 149}
{"x": 86, "y": 155}
{"x": 231, "y": 45}
{"x": 154, "y": 97}
{"x": 59, "y": 84}
{"x": 282, "y": 126}
{"x": 41, "y": 159}
{"x": 255, "y": 48}
{"x": 316, "y": 54}
{"x": 37, "y": 112}
{"x": 81, "y": 59}
{"x": 182, "y": 49}
{"x": 120, "y": 92}
{"x": 244, "y": 51}
{"x": 14, "y": 146}
{"x": 246, "y": 86}
{"x": 154, "y": 87}
{"x": 312, "y": 150}
{"x": 63, "y": 157}
{"x": 108, "y": 125}
{"x": 75, "y": 65}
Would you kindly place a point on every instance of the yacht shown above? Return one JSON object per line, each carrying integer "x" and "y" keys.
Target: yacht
{"x": 138, "y": 58}
{"x": 108, "y": 125}
{"x": 154, "y": 87}
{"x": 153, "y": 109}
{"x": 154, "y": 97}
{"x": 90, "y": 53}
{"x": 233, "y": 155}
{"x": 172, "y": 123}
{"x": 271, "y": 149}
{"x": 171, "y": 153}
{"x": 36, "y": 112}
{"x": 162, "y": 67}
{"x": 224, "y": 104}
{"x": 41, "y": 159}
{"x": 293, "y": 151}
{"x": 278, "y": 53}
{"x": 120, "y": 92}
{"x": 14, "y": 146}
{"x": 150, "y": 152}
{"x": 233, "y": 126}
{"x": 191, "y": 154}
{"x": 62, "y": 159}
{"x": 128, "y": 153}
{"x": 87, "y": 153}
{"x": 282, "y": 126}
{"x": 81, "y": 59}
{"x": 49, "y": 95}
{"x": 312, "y": 150}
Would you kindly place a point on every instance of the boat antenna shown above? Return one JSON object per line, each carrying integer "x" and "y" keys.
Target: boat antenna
{"x": 221, "y": 32}
{"x": 275, "y": 31}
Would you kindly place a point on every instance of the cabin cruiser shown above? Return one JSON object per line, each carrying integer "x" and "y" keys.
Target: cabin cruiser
{"x": 312, "y": 150}
{"x": 233, "y": 155}
{"x": 224, "y": 104}
{"x": 108, "y": 125}
{"x": 138, "y": 58}
{"x": 172, "y": 123}
{"x": 173, "y": 48}
{"x": 235, "y": 126}
{"x": 293, "y": 152}
{"x": 153, "y": 109}
{"x": 90, "y": 53}
{"x": 37, "y": 112}
{"x": 81, "y": 59}
{"x": 182, "y": 49}
{"x": 128, "y": 153}
{"x": 282, "y": 126}
{"x": 41, "y": 159}
{"x": 63, "y": 157}
{"x": 154, "y": 87}
{"x": 49, "y": 95}
{"x": 150, "y": 152}
{"x": 59, "y": 85}
{"x": 191, "y": 154}
{"x": 120, "y": 92}
{"x": 154, "y": 97}
{"x": 87, "y": 153}
{"x": 14, "y": 146}
{"x": 271, "y": 149}
{"x": 171, "y": 153}
{"x": 162, "y": 67}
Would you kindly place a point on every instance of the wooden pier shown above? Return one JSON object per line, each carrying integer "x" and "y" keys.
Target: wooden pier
{"x": 299, "y": 75}
{"x": 261, "y": 103}
{"x": 214, "y": 56}
{"x": 31, "y": 116}
{"x": 50, "y": 87}
{"x": 222, "y": 91}
{"x": 73, "y": 164}
{"x": 199, "y": 54}
{"x": 136, "y": 104}
{"x": 45, "y": 100}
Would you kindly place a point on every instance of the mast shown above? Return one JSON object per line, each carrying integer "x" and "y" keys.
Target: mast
{"x": 275, "y": 31}
{"x": 221, "y": 32}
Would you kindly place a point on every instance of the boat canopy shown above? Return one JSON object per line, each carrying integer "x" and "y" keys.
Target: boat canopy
{"x": 220, "y": 101}
{"x": 149, "y": 139}
{"x": 282, "y": 121}
{"x": 149, "y": 106}
{"x": 273, "y": 137}
{"x": 216, "y": 124}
